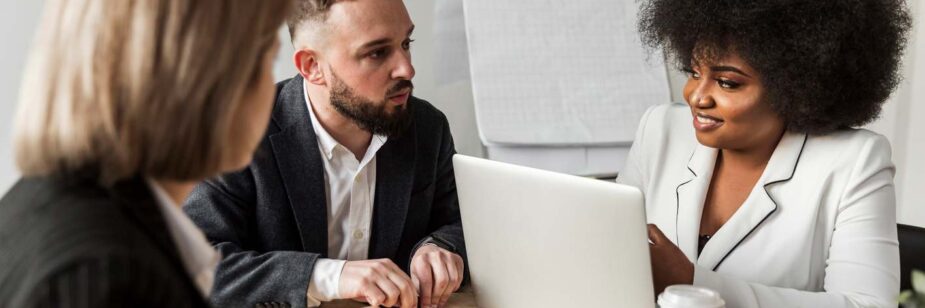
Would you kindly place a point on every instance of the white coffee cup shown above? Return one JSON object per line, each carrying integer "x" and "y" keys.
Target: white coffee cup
{"x": 688, "y": 296}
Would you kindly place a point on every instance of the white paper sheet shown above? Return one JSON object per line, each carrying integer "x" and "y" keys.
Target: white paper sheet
{"x": 558, "y": 72}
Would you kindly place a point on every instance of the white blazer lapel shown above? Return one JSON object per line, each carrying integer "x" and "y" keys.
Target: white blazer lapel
{"x": 691, "y": 194}
{"x": 758, "y": 207}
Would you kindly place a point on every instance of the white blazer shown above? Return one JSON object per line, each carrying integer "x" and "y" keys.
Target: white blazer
{"x": 817, "y": 230}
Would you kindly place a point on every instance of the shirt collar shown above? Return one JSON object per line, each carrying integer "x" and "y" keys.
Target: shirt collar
{"x": 196, "y": 254}
{"x": 328, "y": 143}
{"x": 324, "y": 138}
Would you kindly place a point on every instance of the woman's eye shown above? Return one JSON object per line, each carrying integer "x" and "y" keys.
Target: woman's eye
{"x": 691, "y": 73}
{"x": 726, "y": 84}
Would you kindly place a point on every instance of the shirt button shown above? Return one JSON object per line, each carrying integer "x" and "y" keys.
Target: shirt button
{"x": 358, "y": 234}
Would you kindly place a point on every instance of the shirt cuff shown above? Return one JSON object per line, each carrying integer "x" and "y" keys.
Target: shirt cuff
{"x": 325, "y": 281}
{"x": 433, "y": 240}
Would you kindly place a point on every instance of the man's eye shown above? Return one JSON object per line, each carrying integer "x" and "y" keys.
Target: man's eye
{"x": 691, "y": 73}
{"x": 726, "y": 84}
{"x": 378, "y": 53}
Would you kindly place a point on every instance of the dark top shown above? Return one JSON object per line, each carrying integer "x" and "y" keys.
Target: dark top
{"x": 270, "y": 219}
{"x": 72, "y": 243}
{"x": 702, "y": 242}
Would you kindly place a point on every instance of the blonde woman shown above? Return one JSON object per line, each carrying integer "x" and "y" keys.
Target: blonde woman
{"x": 125, "y": 106}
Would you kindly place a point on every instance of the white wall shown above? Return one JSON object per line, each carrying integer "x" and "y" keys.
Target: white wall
{"x": 18, "y": 20}
{"x": 901, "y": 121}
{"x": 912, "y": 176}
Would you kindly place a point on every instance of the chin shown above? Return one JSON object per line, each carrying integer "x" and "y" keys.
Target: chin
{"x": 707, "y": 140}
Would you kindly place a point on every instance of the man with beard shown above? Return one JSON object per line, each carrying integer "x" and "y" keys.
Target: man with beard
{"x": 351, "y": 194}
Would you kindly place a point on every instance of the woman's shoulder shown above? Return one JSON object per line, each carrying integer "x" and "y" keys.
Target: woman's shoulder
{"x": 851, "y": 146}
{"x": 667, "y": 113}
{"x": 101, "y": 277}
{"x": 45, "y": 220}
{"x": 666, "y": 119}
{"x": 849, "y": 156}
{"x": 666, "y": 127}
{"x": 662, "y": 146}
{"x": 851, "y": 137}
{"x": 41, "y": 201}
{"x": 53, "y": 231}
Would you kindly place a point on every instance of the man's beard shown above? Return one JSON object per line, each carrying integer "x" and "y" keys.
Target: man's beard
{"x": 374, "y": 117}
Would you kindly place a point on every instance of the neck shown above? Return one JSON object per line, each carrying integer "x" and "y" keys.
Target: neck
{"x": 754, "y": 158}
{"x": 342, "y": 129}
{"x": 177, "y": 190}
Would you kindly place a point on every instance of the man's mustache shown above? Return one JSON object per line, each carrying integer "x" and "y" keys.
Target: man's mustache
{"x": 400, "y": 86}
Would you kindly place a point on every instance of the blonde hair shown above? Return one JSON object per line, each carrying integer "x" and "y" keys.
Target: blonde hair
{"x": 139, "y": 87}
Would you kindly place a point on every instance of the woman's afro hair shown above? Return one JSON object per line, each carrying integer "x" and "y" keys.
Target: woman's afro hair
{"x": 825, "y": 64}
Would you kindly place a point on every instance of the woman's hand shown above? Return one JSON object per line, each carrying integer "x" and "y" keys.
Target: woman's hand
{"x": 669, "y": 265}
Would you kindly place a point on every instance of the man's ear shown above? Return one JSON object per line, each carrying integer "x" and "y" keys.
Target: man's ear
{"x": 306, "y": 62}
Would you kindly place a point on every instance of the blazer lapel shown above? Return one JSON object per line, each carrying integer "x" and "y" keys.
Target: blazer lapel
{"x": 394, "y": 178}
{"x": 295, "y": 148}
{"x": 691, "y": 194}
{"x": 760, "y": 204}
{"x": 137, "y": 200}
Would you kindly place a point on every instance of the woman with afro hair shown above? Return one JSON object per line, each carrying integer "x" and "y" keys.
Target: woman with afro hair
{"x": 762, "y": 187}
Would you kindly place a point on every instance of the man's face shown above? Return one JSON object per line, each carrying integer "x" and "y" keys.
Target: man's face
{"x": 382, "y": 117}
{"x": 368, "y": 63}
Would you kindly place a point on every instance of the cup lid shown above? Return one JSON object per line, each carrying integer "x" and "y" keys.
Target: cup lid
{"x": 690, "y": 296}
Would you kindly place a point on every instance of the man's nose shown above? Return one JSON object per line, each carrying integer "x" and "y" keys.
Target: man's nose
{"x": 404, "y": 69}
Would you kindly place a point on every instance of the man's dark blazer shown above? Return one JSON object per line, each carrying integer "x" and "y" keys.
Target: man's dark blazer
{"x": 270, "y": 220}
{"x": 69, "y": 242}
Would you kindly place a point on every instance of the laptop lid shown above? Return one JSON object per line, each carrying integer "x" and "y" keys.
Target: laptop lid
{"x": 536, "y": 238}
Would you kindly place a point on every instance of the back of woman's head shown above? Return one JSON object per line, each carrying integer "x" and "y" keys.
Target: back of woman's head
{"x": 127, "y": 87}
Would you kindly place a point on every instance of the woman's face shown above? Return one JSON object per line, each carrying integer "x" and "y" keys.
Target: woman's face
{"x": 252, "y": 116}
{"x": 727, "y": 101}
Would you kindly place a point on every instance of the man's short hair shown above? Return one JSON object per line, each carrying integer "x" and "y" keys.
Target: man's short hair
{"x": 308, "y": 12}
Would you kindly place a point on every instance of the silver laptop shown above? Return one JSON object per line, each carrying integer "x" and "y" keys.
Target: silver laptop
{"x": 543, "y": 239}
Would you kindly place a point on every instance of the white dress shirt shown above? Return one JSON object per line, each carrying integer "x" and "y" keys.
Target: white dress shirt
{"x": 198, "y": 256}
{"x": 817, "y": 230}
{"x": 350, "y": 185}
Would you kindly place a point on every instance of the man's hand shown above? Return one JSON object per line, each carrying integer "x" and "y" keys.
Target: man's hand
{"x": 377, "y": 282}
{"x": 437, "y": 273}
{"x": 669, "y": 265}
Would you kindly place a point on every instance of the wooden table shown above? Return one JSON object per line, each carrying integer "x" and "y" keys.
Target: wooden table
{"x": 462, "y": 299}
